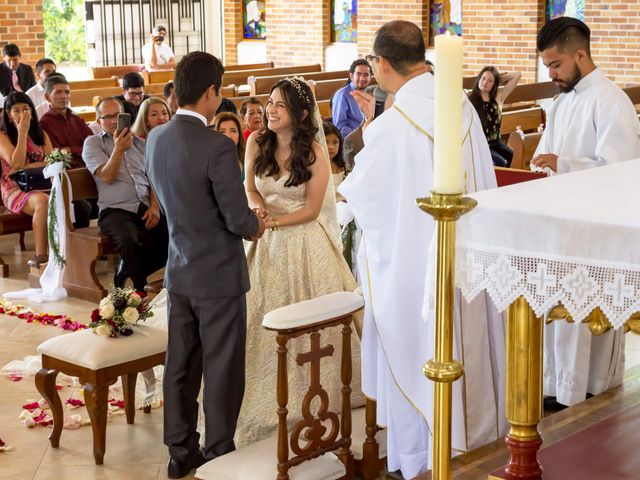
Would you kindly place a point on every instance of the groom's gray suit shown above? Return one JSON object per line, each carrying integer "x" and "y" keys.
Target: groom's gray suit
{"x": 194, "y": 171}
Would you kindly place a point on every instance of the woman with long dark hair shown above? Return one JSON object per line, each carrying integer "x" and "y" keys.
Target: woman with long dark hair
{"x": 299, "y": 258}
{"x": 228, "y": 124}
{"x": 487, "y": 97}
{"x": 23, "y": 144}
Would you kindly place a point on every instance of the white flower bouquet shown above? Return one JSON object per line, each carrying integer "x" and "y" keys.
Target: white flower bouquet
{"x": 119, "y": 312}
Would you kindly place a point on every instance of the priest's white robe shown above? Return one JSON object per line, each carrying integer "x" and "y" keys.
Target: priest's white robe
{"x": 394, "y": 168}
{"x": 593, "y": 125}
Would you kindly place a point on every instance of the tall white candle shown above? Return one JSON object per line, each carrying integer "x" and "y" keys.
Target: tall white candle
{"x": 447, "y": 175}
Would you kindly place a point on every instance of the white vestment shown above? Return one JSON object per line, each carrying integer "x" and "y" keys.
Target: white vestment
{"x": 593, "y": 125}
{"x": 394, "y": 168}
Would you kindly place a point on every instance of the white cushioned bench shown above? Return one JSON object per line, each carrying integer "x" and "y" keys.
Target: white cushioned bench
{"x": 98, "y": 362}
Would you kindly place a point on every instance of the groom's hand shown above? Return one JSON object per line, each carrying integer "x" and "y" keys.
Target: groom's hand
{"x": 261, "y": 227}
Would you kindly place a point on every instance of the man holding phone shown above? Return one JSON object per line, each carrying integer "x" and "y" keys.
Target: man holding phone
{"x": 156, "y": 53}
{"x": 129, "y": 210}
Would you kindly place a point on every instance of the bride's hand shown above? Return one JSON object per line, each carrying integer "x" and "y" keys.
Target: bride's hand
{"x": 261, "y": 212}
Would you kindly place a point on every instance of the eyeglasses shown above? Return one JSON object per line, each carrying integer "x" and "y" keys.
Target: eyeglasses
{"x": 369, "y": 58}
{"x": 135, "y": 94}
{"x": 109, "y": 117}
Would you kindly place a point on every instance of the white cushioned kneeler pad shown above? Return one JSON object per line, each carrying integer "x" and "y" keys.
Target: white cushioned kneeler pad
{"x": 259, "y": 461}
{"x": 89, "y": 350}
{"x": 359, "y": 435}
{"x": 313, "y": 311}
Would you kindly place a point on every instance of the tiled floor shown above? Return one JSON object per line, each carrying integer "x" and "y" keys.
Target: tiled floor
{"x": 133, "y": 451}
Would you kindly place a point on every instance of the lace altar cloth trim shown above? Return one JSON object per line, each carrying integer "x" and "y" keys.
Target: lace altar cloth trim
{"x": 579, "y": 285}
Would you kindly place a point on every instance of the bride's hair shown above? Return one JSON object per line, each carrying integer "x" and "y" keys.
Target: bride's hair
{"x": 300, "y": 104}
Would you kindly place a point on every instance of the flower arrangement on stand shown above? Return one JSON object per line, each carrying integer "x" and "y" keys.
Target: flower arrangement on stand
{"x": 119, "y": 312}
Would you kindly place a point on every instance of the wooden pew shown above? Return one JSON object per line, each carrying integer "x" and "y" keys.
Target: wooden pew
{"x": 95, "y": 83}
{"x": 532, "y": 92}
{"x": 634, "y": 96}
{"x": 247, "y": 66}
{"x": 115, "y": 70}
{"x": 527, "y": 119}
{"x": 325, "y": 89}
{"x": 83, "y": 98}
{"x": 12, "y": 223}
{"x": 161, "y": 76}
{"x": 263, "y": 84}
{"x": 510, "y": 176}
{"x": 85, "y": 246}
{"x": 325, "y": 108}
{"x": 241, "y": 77}
{"x": 523, "y": 146}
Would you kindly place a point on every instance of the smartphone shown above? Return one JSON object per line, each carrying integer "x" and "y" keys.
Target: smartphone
{"x": 124, "y": 121}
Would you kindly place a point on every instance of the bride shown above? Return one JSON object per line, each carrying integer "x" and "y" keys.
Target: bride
{"x": 298, "y": 258}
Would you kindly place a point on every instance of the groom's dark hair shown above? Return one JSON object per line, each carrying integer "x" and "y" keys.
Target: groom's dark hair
{"x": 196, "y": 72}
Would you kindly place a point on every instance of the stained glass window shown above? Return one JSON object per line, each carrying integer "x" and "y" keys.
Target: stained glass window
{"x": 565, "y": 8}
{"x": 445, "y": 15}
{"x": 254, "y": 20}
{"x": 344, "y": 21}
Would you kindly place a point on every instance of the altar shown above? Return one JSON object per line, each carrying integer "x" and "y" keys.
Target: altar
{"x": 567, "y": 243}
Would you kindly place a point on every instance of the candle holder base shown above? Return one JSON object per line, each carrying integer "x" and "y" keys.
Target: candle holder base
{"x": 446, "y": 206}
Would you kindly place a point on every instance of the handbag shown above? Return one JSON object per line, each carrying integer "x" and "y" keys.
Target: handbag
{"x": 30, "y": 179}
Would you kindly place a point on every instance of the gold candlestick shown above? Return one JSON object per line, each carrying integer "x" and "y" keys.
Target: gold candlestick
{"x": 446, "y": 209}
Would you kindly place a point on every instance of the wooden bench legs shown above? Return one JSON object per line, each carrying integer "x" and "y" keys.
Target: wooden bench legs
{"x": 371, "y": 464}
{"x": 96, "y": 398}
{"x": 46, "y": 385}
{"x": 80, "y": 277}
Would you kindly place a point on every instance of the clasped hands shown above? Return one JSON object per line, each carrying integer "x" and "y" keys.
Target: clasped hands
{"x": 264, "y": 220}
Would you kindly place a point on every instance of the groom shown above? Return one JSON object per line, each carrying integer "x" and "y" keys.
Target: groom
{"x": 194, "y": 171}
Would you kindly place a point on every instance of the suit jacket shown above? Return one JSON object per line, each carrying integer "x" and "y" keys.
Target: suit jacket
{"x": 26, "y": 78}
{"x": 194, "y": 172}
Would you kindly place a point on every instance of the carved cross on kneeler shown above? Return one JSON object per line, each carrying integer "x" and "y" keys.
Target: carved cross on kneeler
{"x": 314, "y": 431}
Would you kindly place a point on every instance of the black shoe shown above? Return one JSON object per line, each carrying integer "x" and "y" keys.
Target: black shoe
{"x": 551, "y": 404}
{"x": 120, "y": 277}
{"x": 181, "y": 468}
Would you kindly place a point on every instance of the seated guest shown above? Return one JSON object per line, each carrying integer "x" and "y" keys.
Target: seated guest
{"x": 23, "y": 144}
{"x": 129, "y": 210}
{"x": 487, "y": 98}
{"x": 66, "y": 130}
{"x": 153, "y": 112}
{"x": 334, "y": 147}
{"x": 226, "y": 105}
{"x": 229, "y": 125}
{"x": 169, "y": 94}
{"x": 345, "y": 112}
{"x": 156, "y": 53}
{"x": 252, "y": 114}
{"x": 44, "y": 68}
{"x": 132, "y": 94}
{"x": 14, "y": 75}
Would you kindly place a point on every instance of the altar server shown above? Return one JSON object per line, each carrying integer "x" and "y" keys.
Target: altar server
{"x": 591, "y": 123}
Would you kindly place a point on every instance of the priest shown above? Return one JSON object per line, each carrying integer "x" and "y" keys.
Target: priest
{"x": 591, "y": 123}
{"x": 394, "y": 168}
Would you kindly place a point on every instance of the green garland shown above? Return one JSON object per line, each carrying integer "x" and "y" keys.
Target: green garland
{"x": 53, "y": 222}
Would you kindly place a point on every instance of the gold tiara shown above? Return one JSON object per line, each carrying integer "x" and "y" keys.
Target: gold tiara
{"x": 297, "y": 82}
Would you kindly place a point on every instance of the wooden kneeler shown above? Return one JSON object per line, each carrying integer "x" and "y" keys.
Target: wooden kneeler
{"x": 98, "y": 362}
{"x": 281, "y": 456}
{"x": 369, "y": 442}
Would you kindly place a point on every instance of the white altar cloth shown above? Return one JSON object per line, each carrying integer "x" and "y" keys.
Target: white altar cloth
{"x": 572, "y": 238}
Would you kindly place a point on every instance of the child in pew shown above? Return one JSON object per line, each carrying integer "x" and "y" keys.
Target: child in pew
{"x": 334, "y": 146}
{"x": 487, "y": 97}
